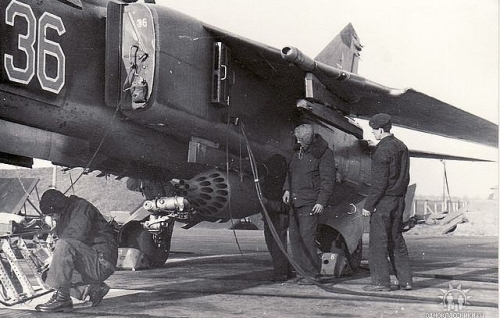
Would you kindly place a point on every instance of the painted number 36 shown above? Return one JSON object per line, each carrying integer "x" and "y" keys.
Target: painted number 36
{"x": 36, "y": 58}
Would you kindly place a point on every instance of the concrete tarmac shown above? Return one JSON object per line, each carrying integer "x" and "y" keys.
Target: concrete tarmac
{"x": 221, "y": 273}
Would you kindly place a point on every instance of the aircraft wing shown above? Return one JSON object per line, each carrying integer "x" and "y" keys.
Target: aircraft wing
{"x": 417, "y": 111}
{"x": 262, "y": 60}
{"x": 357, "y": 96}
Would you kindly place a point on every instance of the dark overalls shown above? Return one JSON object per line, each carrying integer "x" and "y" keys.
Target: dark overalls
{"x": 386, "y": 202}
{"x": 86, "y": 245}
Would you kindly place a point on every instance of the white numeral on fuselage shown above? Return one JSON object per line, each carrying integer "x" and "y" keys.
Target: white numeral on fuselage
{"x": 26, "y": 43}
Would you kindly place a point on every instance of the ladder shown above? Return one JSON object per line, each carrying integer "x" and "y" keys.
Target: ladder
{"x": 17, "y": 284}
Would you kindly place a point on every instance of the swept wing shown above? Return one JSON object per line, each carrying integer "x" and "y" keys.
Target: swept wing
{"x": 358, "y": 96}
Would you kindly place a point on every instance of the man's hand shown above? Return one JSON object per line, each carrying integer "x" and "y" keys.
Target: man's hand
{"x": 366, "y": 212}
{"x": 286, "y": 197}
{"x": 317, "y": 209}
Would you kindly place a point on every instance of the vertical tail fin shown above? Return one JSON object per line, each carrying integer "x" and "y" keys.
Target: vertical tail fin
{"x": 343, "y": 51}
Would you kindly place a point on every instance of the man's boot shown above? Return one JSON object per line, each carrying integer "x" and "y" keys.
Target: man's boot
{"x": 60, "y": 301}
{"x": 97, "y": 293}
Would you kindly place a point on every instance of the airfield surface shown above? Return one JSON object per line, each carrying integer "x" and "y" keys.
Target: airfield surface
{"x": 208, "y": 275}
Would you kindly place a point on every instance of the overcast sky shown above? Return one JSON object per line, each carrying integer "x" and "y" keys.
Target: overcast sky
{"x": 447, "y": 49}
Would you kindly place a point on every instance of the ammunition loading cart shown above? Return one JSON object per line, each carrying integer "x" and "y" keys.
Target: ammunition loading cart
{"x": 24, "y": 255}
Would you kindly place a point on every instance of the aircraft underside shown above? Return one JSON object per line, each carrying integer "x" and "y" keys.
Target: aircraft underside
{"x": 142, "y": 91}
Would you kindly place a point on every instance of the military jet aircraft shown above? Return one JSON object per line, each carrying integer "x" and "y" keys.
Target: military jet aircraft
{"x": 142, "y": 91}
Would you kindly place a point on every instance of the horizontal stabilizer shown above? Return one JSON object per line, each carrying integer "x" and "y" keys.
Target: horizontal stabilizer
{"x": 434, "y": 155}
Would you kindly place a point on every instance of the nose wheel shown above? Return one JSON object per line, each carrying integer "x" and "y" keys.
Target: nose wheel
{"x": 154, "y": 246}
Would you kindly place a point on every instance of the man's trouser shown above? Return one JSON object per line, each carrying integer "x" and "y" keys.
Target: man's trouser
{"x": 70, "y": 255}
{"x": 386, "y": 239}
{"x": 280, "y": 222}
{"x": 303, "y": 227}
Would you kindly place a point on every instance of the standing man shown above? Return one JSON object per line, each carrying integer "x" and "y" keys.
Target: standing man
{"x": 86, "y": 244}
{"x": 274, "y": 174}
{"x": 390, "y": 175}
{"x": 308, "y": 187}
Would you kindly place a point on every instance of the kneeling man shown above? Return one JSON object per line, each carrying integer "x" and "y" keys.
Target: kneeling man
{"x": 86, "y": 244}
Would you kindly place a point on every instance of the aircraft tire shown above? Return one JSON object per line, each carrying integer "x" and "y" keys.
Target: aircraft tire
{"x": 156, "y": 253}
{"x": 163, "y": 241}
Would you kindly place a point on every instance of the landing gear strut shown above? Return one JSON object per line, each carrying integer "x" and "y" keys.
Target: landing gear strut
{"x": 331, "y": 241}
{"x": 155, "y": 246}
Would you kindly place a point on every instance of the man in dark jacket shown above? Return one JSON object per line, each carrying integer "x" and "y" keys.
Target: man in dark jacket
{"x": 308, "y": 187}
{"x": 86, "y": 244}
{"x": 385, "y": 204}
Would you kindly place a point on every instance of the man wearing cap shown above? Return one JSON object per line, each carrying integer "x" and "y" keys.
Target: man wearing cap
{"x": 86, "y": 244}
{"x": 385, "y": 205}
{"x": 308, "y": 187}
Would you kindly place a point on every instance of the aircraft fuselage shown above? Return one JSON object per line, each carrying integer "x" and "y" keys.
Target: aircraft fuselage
{"x": 144, "y": 91}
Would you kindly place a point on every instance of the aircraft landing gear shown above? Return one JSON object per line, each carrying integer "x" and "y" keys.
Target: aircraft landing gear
{"x": 155, "y": 246}
{"x": 333, "y": 246}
